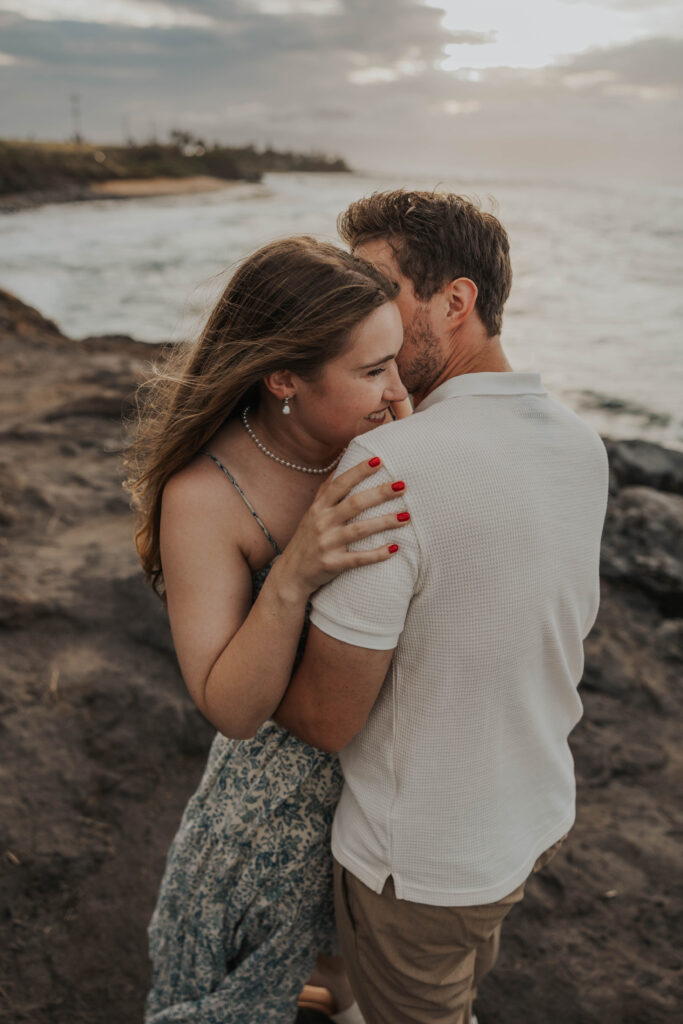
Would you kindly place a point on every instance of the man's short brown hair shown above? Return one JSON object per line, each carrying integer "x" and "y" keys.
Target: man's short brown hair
{"x": 437, "y": 237}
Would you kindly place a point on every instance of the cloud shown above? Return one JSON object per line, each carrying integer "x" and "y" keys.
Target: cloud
{"x": 357, "y": 77}
{"x": 141, "y": 13}
{"x": 473, "y": 38}
{"x": 646, "y": 62}
{"x": 627, "y": 5}
{"x": 93, "y": 49}
{"x": 379, "y": 35}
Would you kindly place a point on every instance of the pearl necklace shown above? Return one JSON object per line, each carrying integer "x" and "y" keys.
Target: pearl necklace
{"x": 283, "y": 462}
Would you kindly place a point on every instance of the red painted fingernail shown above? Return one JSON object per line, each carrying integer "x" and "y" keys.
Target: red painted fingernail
{"x": 393, "y": 548}
{"x": 398, "y": 485}
{"x": 374, "y": 461}
{"x": 403, "y": 517}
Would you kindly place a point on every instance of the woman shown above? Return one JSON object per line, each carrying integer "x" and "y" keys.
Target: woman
{"x": 234, "y": 440}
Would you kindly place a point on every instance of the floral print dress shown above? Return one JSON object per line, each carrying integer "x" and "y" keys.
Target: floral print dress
{"x": 246, "y": 899}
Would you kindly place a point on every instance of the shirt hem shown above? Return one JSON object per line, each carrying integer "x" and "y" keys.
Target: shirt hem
{"x": 355, "y": 637}
{"x": 449, "y": 898}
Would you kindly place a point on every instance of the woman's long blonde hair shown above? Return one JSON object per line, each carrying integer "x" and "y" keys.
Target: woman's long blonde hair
{"x": 290, "y": 306}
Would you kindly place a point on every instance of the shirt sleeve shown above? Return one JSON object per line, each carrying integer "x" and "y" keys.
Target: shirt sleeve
{"x": 367, "y": 606}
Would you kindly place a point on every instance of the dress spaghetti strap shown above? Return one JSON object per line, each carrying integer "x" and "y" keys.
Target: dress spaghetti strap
{"x": 244, "y": 498}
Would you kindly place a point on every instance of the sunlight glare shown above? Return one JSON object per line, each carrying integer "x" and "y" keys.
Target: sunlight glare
{"x": 532, "y": 34}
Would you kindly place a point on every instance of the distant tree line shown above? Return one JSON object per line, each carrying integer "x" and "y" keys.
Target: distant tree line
{"x": 42, "y": 166}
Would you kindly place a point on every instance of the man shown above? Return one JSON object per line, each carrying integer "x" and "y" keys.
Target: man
{"x": 447, "y": 674}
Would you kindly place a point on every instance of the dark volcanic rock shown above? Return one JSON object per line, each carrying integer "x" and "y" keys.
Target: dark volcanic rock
{"x": 101, "y": 745}
{"x": 100, "y": 742}
{"x": 643, "y": 545}
{"x": 639, "y": 463}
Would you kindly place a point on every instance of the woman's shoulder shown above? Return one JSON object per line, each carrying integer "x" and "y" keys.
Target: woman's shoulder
{"x": 193, "y": 483}
{"x": 204, "y": 478}
{"x": 200, "y": 488}
{"x": 200, "y": 514}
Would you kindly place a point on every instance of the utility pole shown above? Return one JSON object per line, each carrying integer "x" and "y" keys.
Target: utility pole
{"x": 77, "y": 135}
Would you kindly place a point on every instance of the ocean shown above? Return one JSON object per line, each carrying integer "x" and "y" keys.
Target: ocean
{"x": 596, "y": 304}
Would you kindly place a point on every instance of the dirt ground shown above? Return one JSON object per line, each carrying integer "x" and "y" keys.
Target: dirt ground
{"x": 100, "y": 746}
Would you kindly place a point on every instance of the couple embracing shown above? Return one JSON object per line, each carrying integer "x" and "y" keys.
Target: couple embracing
{"x": 382, "y": 613}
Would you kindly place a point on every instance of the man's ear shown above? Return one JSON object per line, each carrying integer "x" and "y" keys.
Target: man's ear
{"x": 461, "y": 298}
{"x": 281, "y": 383}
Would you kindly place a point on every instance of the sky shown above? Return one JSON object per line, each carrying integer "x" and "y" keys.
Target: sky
{"x": 571, "y": 89}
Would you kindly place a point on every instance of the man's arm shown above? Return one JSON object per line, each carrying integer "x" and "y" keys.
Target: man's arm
{"x": 333, "y": 691}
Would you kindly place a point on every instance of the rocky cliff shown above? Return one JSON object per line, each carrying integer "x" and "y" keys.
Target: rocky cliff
{"x": 101, "y": 746}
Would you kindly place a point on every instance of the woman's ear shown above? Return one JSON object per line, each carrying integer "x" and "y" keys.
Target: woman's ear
{"x": 281, "y": 383}
{"x": 461, "y": 298}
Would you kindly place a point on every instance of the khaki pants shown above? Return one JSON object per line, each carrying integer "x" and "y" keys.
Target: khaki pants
{"x": 409, "y": 963}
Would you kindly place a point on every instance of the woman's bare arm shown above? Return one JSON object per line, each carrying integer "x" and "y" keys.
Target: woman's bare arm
{"x": 236, "y": 658}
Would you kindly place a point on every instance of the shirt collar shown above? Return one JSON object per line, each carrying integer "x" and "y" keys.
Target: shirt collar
{"x": 503, "y": 383}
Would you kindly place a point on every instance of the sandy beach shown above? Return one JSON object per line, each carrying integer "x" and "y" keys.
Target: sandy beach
{"x": 102, "y": 746}
{"x": 137, "y": 188}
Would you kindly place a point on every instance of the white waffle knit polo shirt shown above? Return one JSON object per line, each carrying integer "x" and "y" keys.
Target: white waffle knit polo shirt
{"x": 462, "y": 775}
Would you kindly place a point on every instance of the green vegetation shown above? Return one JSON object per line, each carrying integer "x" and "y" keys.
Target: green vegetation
{"x": 53, "y": 166}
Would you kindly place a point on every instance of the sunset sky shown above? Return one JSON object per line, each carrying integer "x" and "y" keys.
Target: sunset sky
{"x": 578, "y": 88}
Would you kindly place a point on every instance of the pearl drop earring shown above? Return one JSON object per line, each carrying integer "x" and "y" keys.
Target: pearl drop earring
{"x": 285, "y": 406}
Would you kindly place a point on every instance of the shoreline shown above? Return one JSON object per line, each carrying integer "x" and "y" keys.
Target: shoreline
{"x": 103, "y": 745}
{"x": 117, "y": 188}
